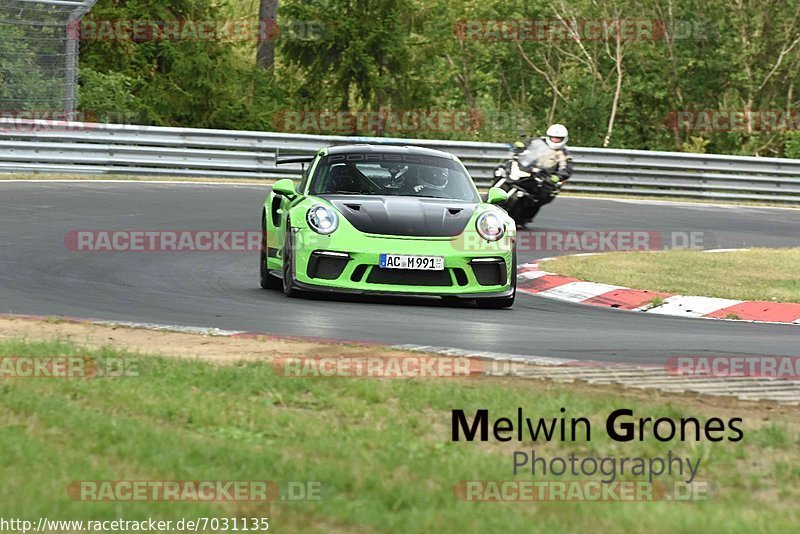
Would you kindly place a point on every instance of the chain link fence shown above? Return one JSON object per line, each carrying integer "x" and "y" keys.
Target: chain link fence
{"x": 39, "y": 56}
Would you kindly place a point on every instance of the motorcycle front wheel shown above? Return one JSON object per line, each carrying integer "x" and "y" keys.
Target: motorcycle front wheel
{"x": 521, "y": 209}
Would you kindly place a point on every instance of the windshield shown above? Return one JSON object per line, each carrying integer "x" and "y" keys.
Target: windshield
{"x": 533, "y": 153}
{"x": 393, "y": 175}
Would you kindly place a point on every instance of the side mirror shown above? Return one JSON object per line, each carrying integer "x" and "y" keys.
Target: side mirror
{"x": 284, "y": 187}
{"x": 496, "y": 196}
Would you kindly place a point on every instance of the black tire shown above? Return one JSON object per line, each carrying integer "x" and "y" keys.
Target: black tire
{"x": 502, "y": 302}
{"x": 496, "y": 304}
{"x": 533, "y": 211}
{"x": 522, "y": 210}
{"x": 268, "y": 281}
{"x": 288, "y": 264}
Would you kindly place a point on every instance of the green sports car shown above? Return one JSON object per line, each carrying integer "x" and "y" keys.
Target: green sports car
{"x": 387, "y": 220}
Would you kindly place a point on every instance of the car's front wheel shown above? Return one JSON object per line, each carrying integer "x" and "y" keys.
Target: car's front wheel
{"x": 497, "y": 303}
{"x": 288, "y": 265}
{"x": 268, "y": 281}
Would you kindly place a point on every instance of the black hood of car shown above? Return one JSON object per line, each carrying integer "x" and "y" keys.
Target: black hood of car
{"x": 404, "y": 215}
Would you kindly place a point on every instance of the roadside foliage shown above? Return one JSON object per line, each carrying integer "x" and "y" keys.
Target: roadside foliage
{"x": 679, "y": 75}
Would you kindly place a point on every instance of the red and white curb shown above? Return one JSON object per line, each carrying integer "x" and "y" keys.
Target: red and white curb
{"x": 535, "y": 281}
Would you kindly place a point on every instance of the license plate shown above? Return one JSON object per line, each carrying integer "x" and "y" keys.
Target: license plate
{"x": 421, "y": 263}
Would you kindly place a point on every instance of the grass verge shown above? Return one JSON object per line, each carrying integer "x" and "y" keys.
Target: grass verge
{"x": 757, "y": 274}
{"x": 380, "y": 449}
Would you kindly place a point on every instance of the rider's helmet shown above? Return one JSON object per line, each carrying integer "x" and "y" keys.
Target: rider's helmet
{"x": 557, "y": 136}
{"x": 434, "y": 177}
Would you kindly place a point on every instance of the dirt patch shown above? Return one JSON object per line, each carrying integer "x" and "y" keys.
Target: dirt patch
{"x": 217, "y": 349}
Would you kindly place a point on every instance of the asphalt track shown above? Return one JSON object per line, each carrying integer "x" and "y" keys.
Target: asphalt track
{"x": 39, "y": 275}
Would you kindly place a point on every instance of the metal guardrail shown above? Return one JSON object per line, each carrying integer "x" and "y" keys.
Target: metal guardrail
{"x": 45, "y": 147}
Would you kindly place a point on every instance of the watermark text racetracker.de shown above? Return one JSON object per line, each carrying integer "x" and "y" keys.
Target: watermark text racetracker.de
{"x": 47, "y": 120}
{"x": 785, "y": 367}
{"x": 215, "y": 30}
{"x": 591, "y": 241}
{"x": 733, "y": 120}
{"x": 194, "y": 490}
{"x": 579, "y": 490}
{"x": 406, "y": 121}
{"x": 74, "y": 367}
{"x": 385, "y": 120}
{"x": 608, "y": 240}
{"x": 163, "y": 240}
{"x": 561, "y": 241}
{"x": 388, "y": 366}
{"x": 580, "y": 30}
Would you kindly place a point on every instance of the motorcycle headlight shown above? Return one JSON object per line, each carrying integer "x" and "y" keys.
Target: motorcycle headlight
{"x": 322, "y": 219}
{"x": 490, "y": 226}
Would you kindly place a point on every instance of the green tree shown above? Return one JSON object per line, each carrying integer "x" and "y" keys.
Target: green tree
{"x": 24, "y": 84}
{"x": 362, "y": 55}
{"x": 354, "y": 55}
{"x": 190, "y": 81}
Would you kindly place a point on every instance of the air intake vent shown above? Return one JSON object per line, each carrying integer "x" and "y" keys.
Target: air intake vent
{"x": 358, "y": 273}
{"x": 326, "y": 267}
{"x": 461, "y": 276}
{"x": 491, "y": 273}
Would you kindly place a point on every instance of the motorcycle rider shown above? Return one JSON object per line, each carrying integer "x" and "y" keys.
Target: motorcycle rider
{"x": 539, "y": 168}
{"x": 559, "y": 161}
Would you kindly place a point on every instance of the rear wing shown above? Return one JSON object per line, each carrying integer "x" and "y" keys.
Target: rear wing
{"x": 281, "y": 159}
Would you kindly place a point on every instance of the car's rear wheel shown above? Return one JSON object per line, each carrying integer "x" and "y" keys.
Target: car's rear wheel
{"x": 288, "y": 265}
{"x": 268, "y": 281}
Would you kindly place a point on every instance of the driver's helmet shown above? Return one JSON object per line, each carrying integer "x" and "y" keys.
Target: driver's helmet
{"x": 342, "y": 180}
{"x": 434, "y": 177}
{"x": 557, "y": 136}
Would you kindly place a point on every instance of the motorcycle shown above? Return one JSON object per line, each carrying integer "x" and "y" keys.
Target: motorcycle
{"x": 529, "y": 185}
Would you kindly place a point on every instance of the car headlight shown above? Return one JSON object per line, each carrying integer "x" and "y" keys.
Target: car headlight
{"x": 490, "y": 226}
{"x": 322, "y": 219}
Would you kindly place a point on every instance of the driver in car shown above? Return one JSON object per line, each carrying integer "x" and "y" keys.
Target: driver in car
{"x": 343, "y": 179}
{"x": 428, "y": 181}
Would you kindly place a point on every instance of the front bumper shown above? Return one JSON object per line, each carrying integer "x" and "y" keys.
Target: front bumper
{"x": 349, "y": 264}
{"x": 380, "y": 292}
